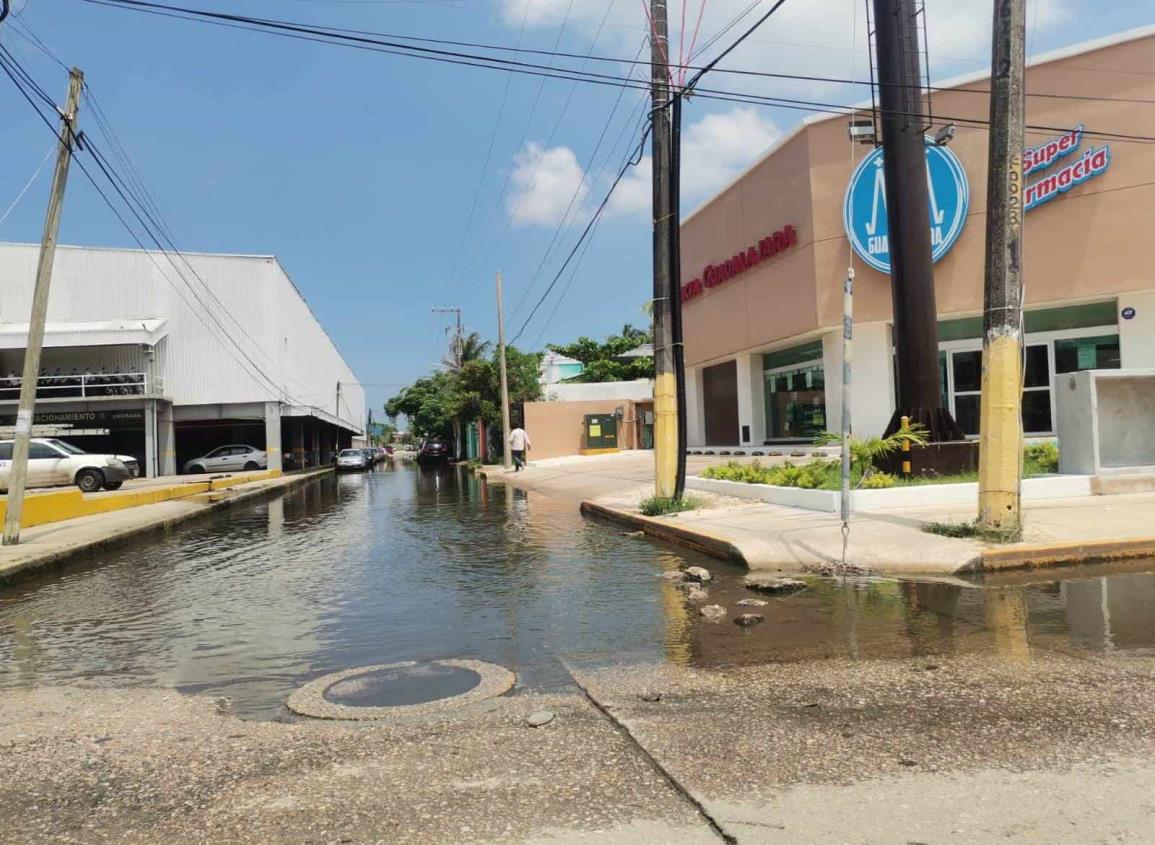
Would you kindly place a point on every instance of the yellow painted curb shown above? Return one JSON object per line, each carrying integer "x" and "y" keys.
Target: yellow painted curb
{"x": 61, "y": 505}
{"x": 1054, "y": 554}
{"x": 599, "y": 451}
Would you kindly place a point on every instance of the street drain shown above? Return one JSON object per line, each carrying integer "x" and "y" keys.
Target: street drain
{"x": 401, "y": 689}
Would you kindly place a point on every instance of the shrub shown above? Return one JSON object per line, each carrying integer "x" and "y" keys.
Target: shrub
{"x": 662, "y": 505}
{"x": 878, "y": 481}
{"x": 1040, "y": 459}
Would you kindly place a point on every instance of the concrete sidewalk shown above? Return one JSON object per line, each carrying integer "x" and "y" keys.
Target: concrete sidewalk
{"x": 42, "y": 546}
{"x": 779, "y": 538}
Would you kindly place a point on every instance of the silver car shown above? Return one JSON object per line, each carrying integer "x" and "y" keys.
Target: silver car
{"x": 353, "y": 459}
{"x": 235, "y": 458}
{"x": 53, "y": 462}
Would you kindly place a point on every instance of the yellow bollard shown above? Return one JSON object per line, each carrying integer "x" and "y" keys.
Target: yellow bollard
{"x": 906, "y": 449}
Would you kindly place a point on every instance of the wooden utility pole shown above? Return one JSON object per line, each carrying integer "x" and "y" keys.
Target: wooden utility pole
{"x": 19, "y": 478}
{"x": 506, "y": 454}
{"x": 1000, "y": 421}
{"x": 665, "y": 388}
{"x": 908, "y": 217}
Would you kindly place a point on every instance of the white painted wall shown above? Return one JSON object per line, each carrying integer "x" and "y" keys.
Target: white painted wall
{"x": 1137, "y": 335}
{"x": 746, "y": 409}
{"x": 254, "y": 301}
{"x": 639, "y": 390}
{"x": 696, "y": 418}
{"x": 872, "y": 379}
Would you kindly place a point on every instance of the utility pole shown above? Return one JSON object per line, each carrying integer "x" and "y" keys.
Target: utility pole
{"x": 456, "y": 354}
{"x": 19, "y": 478}
{"x": 665, "y": 389}
{"x": 506, "y": 454}
{"x": 1000, "y": 421}
{"x": 908, "y": 216}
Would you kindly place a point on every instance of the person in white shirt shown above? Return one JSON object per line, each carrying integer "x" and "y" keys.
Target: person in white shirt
{"x": 518, "y": 444}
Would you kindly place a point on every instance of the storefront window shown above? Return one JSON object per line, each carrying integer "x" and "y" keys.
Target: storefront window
{"x": 1087, "y": 353}
{"x": 795, "y": 400}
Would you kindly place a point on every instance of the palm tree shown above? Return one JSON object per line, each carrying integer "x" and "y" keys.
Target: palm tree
{"x": 468, "y": 348}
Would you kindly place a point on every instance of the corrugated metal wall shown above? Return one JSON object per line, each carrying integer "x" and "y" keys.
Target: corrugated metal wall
{"x": 261, "y": 342}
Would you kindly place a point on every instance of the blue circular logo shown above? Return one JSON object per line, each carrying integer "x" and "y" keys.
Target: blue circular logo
{"x": 1128, "y": 313}
{"x": 864, "y": 210}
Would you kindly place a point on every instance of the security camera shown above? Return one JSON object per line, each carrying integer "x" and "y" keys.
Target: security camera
{"x": 944, "y": 135}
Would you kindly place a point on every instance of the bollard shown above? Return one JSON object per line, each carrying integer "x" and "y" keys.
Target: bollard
{"x": 906, "y": 449}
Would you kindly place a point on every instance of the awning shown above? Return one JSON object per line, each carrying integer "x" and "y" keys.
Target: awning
{"x": 147, "y": 331}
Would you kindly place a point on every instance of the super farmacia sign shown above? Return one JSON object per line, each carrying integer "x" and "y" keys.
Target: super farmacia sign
{"x": 864, "y": 208}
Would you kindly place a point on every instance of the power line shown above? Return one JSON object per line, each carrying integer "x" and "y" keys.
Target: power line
{"x": 392, "y": 40}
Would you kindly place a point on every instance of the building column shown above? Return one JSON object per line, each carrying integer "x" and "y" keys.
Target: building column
{"x": 315, "y": 441}
{"x": 695, "y": 411}
{"x": 872, "y": 379}
{"x": 1137, "y": 333}
{"x": 165, "y": 440}
{"x": 151, "y": 466}
{"x": 751, "y": 404}
{"x": 273, "y": 436}
{"x": 297, "y": 433}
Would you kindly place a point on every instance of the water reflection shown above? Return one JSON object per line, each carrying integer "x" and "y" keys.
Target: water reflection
{"x": 401, "y": 564}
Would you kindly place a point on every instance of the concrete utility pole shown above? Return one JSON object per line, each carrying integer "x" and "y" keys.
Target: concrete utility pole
{"x": 506, "y": 454}
{"x": 908, "y": 216}
{"x": 665, "y": 389}
{"x": 19, "y": 478}
{"x": 1000, "y": 421}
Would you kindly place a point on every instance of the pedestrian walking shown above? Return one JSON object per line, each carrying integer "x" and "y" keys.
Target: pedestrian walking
{"x": 519, "y": 445}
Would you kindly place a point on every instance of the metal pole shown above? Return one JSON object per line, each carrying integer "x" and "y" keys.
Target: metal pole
{"x": 1000, "y": 421}
{"x": 19, "y": 478}
{"x": 847, "y": 339}
{"x": 665, "y": 390}
{"x": 908, "y": 216}
{"x": 506, "y": 454}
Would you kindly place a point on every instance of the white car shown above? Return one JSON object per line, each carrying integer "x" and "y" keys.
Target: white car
{"x": 229, "y": 459}
{"x": 353, "y": 459}
{"x": 53, "y": 462}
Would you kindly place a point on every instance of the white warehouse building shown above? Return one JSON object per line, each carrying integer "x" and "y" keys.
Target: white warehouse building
{"x": 166, "y": 363}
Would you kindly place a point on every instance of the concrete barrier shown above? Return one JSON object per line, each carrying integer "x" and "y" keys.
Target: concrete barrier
{"x": 61, "y": 505}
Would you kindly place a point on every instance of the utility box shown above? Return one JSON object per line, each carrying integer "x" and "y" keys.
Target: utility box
{"x": 1104, "y": 421}
{"x": 600, "y": 431}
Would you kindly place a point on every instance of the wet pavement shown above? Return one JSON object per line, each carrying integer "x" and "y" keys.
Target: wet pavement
{"x": 403, "y": 564}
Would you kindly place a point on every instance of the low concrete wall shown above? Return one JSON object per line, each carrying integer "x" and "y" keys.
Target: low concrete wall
{"x": 555, "y": 428}
{"x": 1105, "y": 420}
{"x": 59, "y": 505}
{"x": 829, "y": 501}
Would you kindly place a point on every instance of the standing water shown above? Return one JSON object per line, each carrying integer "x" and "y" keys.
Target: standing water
{"x": 404, "y": 564}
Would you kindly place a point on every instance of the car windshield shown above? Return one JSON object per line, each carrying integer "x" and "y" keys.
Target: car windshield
{"x": 67, "y": 447}
{"x": 350, "y": 453}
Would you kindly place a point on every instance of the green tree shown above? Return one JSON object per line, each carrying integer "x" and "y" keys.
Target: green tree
{"x": 603, "y": 362}
{"x": 473, "y": 348}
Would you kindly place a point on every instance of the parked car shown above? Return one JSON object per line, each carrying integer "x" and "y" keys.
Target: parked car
{"x": 348, "y": 459}
{"x": 434, "y": 451}
{"x": 229, "y": 459}
{"x": 52, "y": 462}
{"x": 371, "y": 455}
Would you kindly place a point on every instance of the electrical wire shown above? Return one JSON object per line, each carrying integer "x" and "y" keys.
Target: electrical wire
{"x": 27, "y": 185}
{"x": 392, "y": 40}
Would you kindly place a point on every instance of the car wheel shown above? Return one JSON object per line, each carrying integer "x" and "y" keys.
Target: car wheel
{"x": 113, "y": 485}
{"x": 89, "y": 480}
{"x": 251, "y": 466}
{"x": 196, "y": 469}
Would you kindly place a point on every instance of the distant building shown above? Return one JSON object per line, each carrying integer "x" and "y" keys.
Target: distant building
{"x": 165, "y": 364}
{"x": 557, "y": 368}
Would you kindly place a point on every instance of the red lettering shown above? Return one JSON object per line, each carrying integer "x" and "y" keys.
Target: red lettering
{"x": 752, "y": 257}
{"x": 1065, "y": 177}
{"x": 1101, "y": 158}
{"x": 765, "y": 248}
{"x": 791, "y": 235}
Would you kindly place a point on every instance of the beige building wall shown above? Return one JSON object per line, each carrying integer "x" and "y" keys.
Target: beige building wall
{"x": 556, "y": 428}
{"x": 1084, "y": 245}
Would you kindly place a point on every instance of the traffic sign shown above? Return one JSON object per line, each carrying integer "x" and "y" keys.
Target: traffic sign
{"x": 864, "y": 209}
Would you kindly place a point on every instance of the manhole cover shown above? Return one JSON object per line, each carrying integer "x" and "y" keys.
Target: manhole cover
{"x": 400, "y": 689}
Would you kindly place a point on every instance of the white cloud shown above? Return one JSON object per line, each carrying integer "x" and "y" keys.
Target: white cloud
{"x": 714, "y": 150}
{"x": 544, "y": 183}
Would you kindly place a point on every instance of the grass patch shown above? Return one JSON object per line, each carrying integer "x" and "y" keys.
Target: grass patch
{"x": 972, "y": 530}
{"x": 664, "y": 505}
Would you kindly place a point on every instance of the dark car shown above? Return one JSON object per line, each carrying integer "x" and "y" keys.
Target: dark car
{"x": 434, "y": 451}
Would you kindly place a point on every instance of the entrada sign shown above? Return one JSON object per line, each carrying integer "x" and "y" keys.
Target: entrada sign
{"x": 864, "y": 209}
{"x": 716, "y": 274}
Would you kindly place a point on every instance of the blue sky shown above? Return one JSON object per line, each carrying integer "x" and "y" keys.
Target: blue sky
{"x": 360, "y": 171}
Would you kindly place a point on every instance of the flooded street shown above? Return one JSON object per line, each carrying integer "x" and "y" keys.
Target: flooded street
{"x": 402, "y": 564}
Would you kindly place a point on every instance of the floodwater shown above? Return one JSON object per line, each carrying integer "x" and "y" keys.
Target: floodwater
{"x": 406, "y": 564}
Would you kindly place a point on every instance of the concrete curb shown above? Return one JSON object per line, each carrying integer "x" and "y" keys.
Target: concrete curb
{"x": 717, "y": 547}
{"x": 62, "y": 555}
{"x": 1040, "y": 555}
